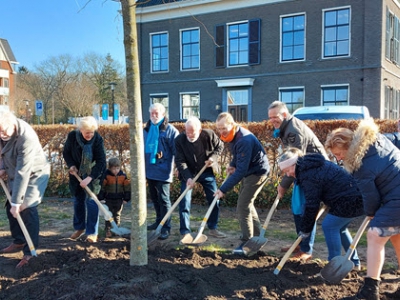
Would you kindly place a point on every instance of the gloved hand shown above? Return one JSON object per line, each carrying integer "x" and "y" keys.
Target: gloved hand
{"x": 304, "y": 235}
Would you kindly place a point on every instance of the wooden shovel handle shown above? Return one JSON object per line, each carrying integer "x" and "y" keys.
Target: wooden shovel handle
{"x": 20, "y": 221}
{"x": 357, "y": 237}
{"x": 295, "y": 244}
{"x": 269, "y": 216}
{"x": 168, "y": 214}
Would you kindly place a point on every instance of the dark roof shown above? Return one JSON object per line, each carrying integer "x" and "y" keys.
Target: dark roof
{"x": 9, "y": 54}
{"x": 143, "y": 3}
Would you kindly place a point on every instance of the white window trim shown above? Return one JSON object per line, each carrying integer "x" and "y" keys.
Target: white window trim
{"x": 228, "y": 44}
{"x": 181, "y": 51}
{"x": 235, "y": 82}
{"x": 323, "y": 32}
{"x": 151, "y": 52}
{"x": 180, "y": 102}
{"x": 305, "y": 37}
{"x": 335, "y": 85}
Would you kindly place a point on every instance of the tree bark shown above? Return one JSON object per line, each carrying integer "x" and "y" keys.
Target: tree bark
{"x": 138, "y": 253}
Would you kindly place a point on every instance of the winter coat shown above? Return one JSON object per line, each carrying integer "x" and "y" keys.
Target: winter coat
{"x": 26, "y": 165}
{"x": 162, "y": 170}
{"x": 72, "y": 154}
{"x": 322, "y": 180}
{"x": 188, "y": 162}
{"x": 248, "y": 157}
{"x": 295, "y": 133}
{"x": 115, "y": 187}
{"x": 394, "y": 138}
{"x": 375, "y": 164}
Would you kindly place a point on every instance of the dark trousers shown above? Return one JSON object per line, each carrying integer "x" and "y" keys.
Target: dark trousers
{"x": 159, "y": 194}
{"x": 115, "y": 206}
{"x": 30, "y": 217}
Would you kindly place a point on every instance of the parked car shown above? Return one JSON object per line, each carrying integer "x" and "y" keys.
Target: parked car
{"x": 348, "y": 112}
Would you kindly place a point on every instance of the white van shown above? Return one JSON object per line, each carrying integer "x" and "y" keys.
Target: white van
{"x": 348, "y": 112}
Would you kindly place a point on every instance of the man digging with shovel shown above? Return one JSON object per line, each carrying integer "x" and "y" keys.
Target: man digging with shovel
{"x": 194, "y": 148}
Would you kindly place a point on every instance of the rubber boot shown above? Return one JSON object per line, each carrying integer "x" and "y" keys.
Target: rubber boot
{"x": 370, "y": 289}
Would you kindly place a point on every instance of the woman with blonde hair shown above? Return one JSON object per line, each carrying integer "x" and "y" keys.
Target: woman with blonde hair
{"x": 374, "y": 162}
{"x": 84, "y": 155}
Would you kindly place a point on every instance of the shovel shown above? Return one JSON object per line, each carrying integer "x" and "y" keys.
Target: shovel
{"x": 154, "y": 236}
{"x": 20, "y": 221}
{"x": 252, "y": 246}
{"x": 340, "y": 266}
{"x": 106, "y": 212}
{"x": 295, "y": 244}
{"x": 198, "y": 239}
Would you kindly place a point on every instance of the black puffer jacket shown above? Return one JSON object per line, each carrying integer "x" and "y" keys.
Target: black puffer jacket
{"x": 322, "y": 180}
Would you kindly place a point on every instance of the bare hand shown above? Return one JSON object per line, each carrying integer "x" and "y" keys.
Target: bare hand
{"x": 230, "y": 170}
{"x": 190, "y": 183}
{"x": 219, "y": 194}
{"x": 73, "y": 170}
{"x": 15, "y": 210}
{"x": 85, "y": 182}
{"x": 281, "y": 191}
{"x": 209, "y": 162}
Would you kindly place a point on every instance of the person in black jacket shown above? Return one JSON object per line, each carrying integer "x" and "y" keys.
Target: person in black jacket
{"x": 194, "y": 148}
{"x": 84, "y": 155}
{"x": 324, "y": 181}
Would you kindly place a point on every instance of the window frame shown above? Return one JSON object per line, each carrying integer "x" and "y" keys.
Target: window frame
{"x": 292, "y": 89}
{"x": 181, "y": 31}
{"x": 181, "y": 94}
{"x": 151, "y": 52}
{"x": 159, "y": 96}
{"x": 336, "y": 87}
{"x": 282, "y": 17}
{"x": 324, "y": 11}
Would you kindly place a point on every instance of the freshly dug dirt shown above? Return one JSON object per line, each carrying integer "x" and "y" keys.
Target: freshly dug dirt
{"x": 66, "y": 269}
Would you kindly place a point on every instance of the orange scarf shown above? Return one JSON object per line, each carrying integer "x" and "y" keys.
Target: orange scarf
{"x": 229, "y": 137}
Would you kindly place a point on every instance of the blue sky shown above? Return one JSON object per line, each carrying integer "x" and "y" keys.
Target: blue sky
{"x": 40, "y": 29}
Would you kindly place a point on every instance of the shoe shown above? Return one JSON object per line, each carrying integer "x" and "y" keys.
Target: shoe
{"x": 77, "y": 234}
{"x": 286, "y": 249}
{"x": 108, "y": 233}
{"x": 164, "y": 235}
{"x": 239, "y": 250}
{"x": 24, "y": 261}
{"x": 91, "y": 238}
{"x": 13, "y": 248}
{"x": 216, "y": 233}
{"x": 152, "y": 226}
{"x": 301, "y": 256}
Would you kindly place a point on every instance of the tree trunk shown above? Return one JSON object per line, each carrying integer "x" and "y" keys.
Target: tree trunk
{"x": 138, "y": 254}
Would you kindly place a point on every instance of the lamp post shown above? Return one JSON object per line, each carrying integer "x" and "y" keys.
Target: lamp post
{"x": 26, "y": 110}
{"x": 112, "y": 85}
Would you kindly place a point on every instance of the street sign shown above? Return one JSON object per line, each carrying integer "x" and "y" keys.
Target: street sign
{"x": 38, "y": 108}
{"x": 104, "y": 111}
{"x": 116, "y": 113}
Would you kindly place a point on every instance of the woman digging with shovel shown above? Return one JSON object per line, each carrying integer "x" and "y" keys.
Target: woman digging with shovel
{"x": 374, "y": 162}
{"x": 322, "y": 180}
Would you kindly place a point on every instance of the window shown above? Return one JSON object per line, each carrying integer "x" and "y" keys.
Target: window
{"x": 159, "y": 52}
{"x": 336, "y": 33}
{"x": 335, "y": 95}
{"x": 5, "y": 82}
{"x": 292, "y": 97}
{"x": 160, "y": 98}
{"x": 190, "y": 49}
{"x": 292, "y": 38}
{"x": 392, "y": 102}
{"x": 243, "y": 44}
{"x": 392, "y": 45}
{"x": 238, "y": 100}
{"x": 190, "y": 105}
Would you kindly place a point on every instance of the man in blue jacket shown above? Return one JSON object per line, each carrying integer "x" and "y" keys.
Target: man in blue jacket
{"x": 159, "y": 151}
{"x": 249, "y": 166}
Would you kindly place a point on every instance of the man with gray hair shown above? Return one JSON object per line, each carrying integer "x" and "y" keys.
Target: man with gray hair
{"x": 159, "y": 138}
{"x": 195, "y": 148}
{"x": 295, "y": 133}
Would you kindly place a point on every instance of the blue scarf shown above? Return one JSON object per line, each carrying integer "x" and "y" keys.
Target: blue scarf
{"x": 276, "y": 133}
{"x": 152, "y": 141}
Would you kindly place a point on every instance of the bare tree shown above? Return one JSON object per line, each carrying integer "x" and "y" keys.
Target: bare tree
{"x": 138, "y": 255}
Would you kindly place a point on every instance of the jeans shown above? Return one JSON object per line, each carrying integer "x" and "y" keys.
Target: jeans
{"x": 210, "y": 187}
{"x": 159, "y": 194}
{"x": 307, "y": 244}
{"x": 337, "y": 236}
{"x": 247, "y": 214}
{"x": 30, "y": 217}
{"x": 83, "y": 204}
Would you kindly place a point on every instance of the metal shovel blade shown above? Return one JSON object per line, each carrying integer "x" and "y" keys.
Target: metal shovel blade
{"x": 153, "y": 236}
{"x": 253, "y": 245}
{"x": 193, "y": 239}
{"x": 337, "y": 269}
{"x": 119, "y": 230}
